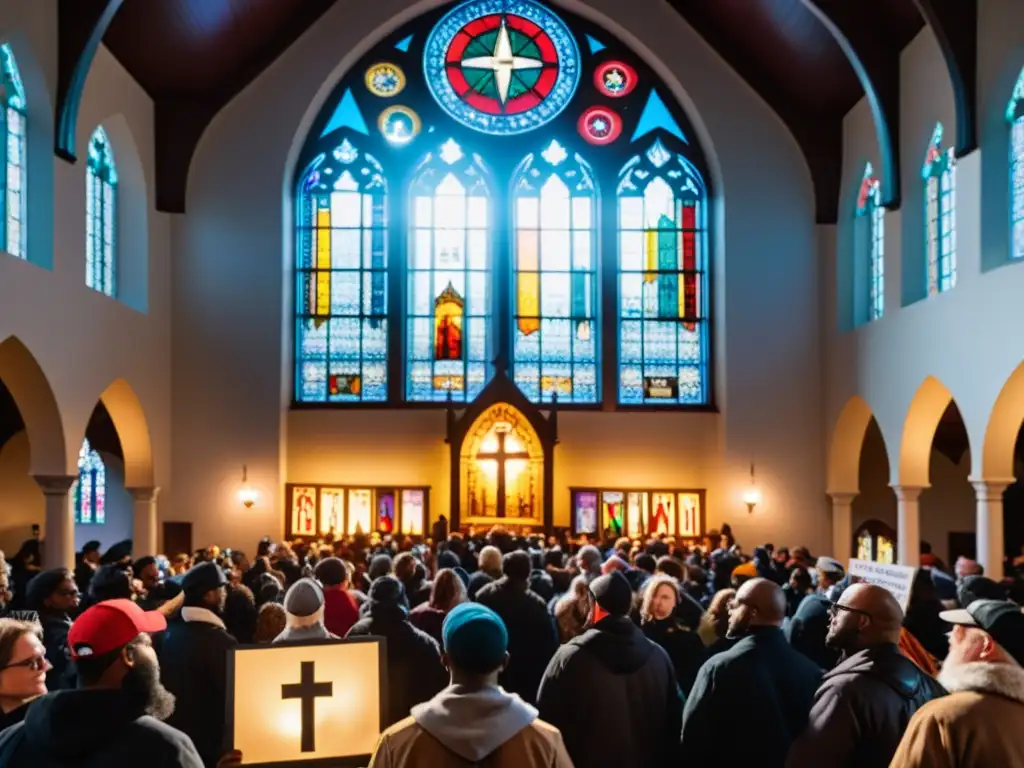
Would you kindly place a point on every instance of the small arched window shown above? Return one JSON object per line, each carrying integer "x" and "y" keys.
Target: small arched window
{"x": 91, "y": 488}
{"x": 870, "y": 238}
{"x": 12, "y": 115}
{"x": 1015, "y": 116}
{"x": 101, "y": 215}
{"x": 939, "y": 174}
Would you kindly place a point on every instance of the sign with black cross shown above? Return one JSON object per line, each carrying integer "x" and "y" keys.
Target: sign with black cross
{"x": 307, "y": 703}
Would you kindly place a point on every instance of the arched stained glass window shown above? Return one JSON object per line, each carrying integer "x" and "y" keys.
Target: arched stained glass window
{"x": 555, "y": 312}
{"x": 662, "y": 268}
{"x": 870, "y": 236}
{"x": 101, "y": 215}
{"x": 449, "y": 303}
{"x": 479, "y": 140}
{"x": 91, "y": 488}
{"x": 1015, "y": 116}
{"x": 342, "y": 287}
{"x": 939, "y": 174}
{"x": 12, "y": 113}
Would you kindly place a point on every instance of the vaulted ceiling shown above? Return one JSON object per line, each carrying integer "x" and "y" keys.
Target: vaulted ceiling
{"x": 810, "y": 60}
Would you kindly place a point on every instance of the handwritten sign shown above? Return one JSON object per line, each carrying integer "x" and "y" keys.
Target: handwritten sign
{"x": 301, "y": 702}
{"x": 898, "y": 579}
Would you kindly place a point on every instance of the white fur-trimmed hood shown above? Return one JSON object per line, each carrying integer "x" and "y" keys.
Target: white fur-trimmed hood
{"x": 982, "y": 677}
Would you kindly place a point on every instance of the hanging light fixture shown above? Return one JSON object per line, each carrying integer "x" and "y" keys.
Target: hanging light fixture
{"x": 752, "y": 496}
{"x": 246, "y": 494}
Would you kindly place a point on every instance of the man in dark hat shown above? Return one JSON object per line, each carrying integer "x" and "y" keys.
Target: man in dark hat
{"x": 88, "y": 561}
{"x": 194, "y": 660}
{"x": 414, "y": 666}
{"x": 119, "y": 554}
{"x": 615, "y": 662}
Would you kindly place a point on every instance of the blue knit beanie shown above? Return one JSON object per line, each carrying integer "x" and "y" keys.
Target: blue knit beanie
{"x": 475, "y": 638}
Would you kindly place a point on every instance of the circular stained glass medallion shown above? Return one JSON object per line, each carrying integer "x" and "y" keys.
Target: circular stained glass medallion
{"x": 599, "y": 125}
{"x": 502, "y": 66}
{"x": 385, "y": 79}
{"x": 399, "y": 125}
{"x": 615, "y": 79}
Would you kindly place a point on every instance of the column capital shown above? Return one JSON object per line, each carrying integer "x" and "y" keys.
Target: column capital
{"x": 146, "y": 495}
{"x": 842, "y": 497}
{"x": 55, "y": 485}
{"x": 990, "y": 490}
{"x": 908, "y": 492}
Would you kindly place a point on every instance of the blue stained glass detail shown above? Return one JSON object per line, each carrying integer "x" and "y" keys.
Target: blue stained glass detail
{"x": 869, "y": 240}
{"x": 346, "y": 115}
{"x": 404, "y": 43}
{"x": 100, "y": 215}
{"x": 1015, "y": 116}
{"x": 939, "y": 174}
{"x": 91, "y": 487}
{"x": 12, "y": 156}
{"x": 655, "y": 116}
{"x": 555, "y": 292}
{"x": 553, "y": 49}
{"x": 595, "y": 45}
{"x": 341, "y": 279}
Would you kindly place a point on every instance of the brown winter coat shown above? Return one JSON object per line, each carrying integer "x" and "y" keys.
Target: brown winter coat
{"x": 979, "y": 725}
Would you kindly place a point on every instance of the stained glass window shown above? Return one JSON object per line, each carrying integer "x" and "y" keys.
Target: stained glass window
{"x": 555, "y": 310}
{"x": 449, "y": 218}
{"x": 342, "y": 278}
{"x": 939, "y": 174}
{"x": 12, "y": 117}
{"x": 449, "y": 276}
{"x": 662, "y": 270}
{"x": 871, "y": 236}
{"x": 91, "y": 488}
{"x": 100, "y": 215}
{"x": 1015, "y": 115}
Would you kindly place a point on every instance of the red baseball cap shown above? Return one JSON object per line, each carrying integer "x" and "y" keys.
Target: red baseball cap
{"x": 110, "y": 625}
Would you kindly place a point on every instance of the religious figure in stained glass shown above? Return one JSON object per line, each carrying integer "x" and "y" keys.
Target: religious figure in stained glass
{"x": 502, "y": 470}
{"x": 303, "y": 511}
{"x": 870, "y": 238}
{"x": 332, "y": 510}
{"x": 359, "y": 503}
{"x": 386, "y": 512}
{"x": 613, "y": 513}
{"x": 91, "y": 487}
{"x": 448, "y": 309}
{"x": 12, "y": 155}
{"x": 663, "y": 514}
{"x": 100, "y": 214}
{"x": 1015, "y": 117}
{"x": 413, "y": 511}
{"x": 939, "y": 174}
{"x": 585, "y": 511}
{"x": 690, "y": 521}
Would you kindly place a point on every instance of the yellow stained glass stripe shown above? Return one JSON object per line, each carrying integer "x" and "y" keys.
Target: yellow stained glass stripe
{"x": 528, "y": 284}
{"x": 323, "y": 263}
{"x": 651, "y": 246}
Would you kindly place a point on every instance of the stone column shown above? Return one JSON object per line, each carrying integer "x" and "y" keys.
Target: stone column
{"x": 989, "y": 523}
{"x": 59, "y": 543}
{"x": 842, "y": 525}
{"x": 908, "y": 511}
{"x": 144, "y": 533}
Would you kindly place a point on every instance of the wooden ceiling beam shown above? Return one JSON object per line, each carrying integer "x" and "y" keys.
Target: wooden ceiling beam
{"x": 955, "y": 24}
{"x": 877, "y": 66}
{"x": 81, "y": 25}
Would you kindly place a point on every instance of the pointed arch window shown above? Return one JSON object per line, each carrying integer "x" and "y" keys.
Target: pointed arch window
{"x": 449, "y": 302}
{"x": 1015, "y": 116}
{"x": 939, "y": 174}
{"x": 342, "y": 278}
{"x": 555, "y": 331}
{"x": 12, "y": 114}
{"x": 91, "y": 488}
{"x": 870, "y": 236}
{"x": 101, "y": 215}
{"x": 662, "y": 273}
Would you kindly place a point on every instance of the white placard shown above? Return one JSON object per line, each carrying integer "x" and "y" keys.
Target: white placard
{"x": 898, "y": 579}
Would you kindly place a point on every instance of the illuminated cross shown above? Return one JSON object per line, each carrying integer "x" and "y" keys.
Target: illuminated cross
{"x": 308, "y": 691}
{"x": 502, "y": 456}
{"x": 502, "y": 62}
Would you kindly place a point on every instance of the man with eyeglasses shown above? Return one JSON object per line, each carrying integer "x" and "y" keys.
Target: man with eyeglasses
{"x": 864, "y": 704}
{"x": 761, "y": 680}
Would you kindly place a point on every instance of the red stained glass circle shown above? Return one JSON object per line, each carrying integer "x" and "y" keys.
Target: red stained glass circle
{"x": 615, "y": 79}
{"x": 599, "y": 125}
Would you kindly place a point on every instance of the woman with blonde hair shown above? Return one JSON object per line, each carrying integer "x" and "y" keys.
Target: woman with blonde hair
{"x": 659, "y": 624}
{"x": 447, "y": 592}
{"x": 573, "y": 609}
{"x": 23, "y": 668}
{"x": 716, "y": 621}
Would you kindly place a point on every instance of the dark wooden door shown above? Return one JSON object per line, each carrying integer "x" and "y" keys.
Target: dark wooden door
{"x": 177, "y": 539}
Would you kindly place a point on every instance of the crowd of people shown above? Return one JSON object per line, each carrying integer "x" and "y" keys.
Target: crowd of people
{"x": 521, "y": 650}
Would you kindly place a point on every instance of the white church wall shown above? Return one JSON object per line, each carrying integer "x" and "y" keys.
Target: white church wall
{"x": 231, "y": 289}
{"x": 83, "y": 340}
{"x": 968, "y": 338}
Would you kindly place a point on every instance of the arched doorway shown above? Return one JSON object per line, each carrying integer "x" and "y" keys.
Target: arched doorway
{"x": 874, "y": 508}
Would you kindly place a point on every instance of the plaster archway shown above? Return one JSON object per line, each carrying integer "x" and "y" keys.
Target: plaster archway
{"x": 28, "y": 385}
{"x": 129, "y": 419}
{"x": 847, "y": 443}
{"x": 1004, "y": 424}
{"x": 926, "y": 409}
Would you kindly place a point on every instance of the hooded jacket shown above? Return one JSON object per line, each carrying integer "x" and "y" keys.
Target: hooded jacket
{"x": 93, "y": 729}
{"x": 461, "y": 727}
{"x": 613, "y": 695}
{"x": 862, "y": 709}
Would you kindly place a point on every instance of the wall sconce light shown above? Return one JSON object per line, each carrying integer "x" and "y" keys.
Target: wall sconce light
{"x": 752, "y": 497}
{"x": 246, "y": 494}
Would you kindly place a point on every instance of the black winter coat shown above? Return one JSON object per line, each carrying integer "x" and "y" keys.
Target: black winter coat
{"x": 862, "y": 709}
{"x": 55, "y": 637}
{"x": 684, "y": 648}
{"x": 193, "y": 666}
{"x": 532, "y": 637}
{"x": 93, "y": 729}
{"x": 612, "y": 693}
{"x": 809, "y": 628}
{"x": 415, "y": 672}
{"x": 761, "y": 690}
